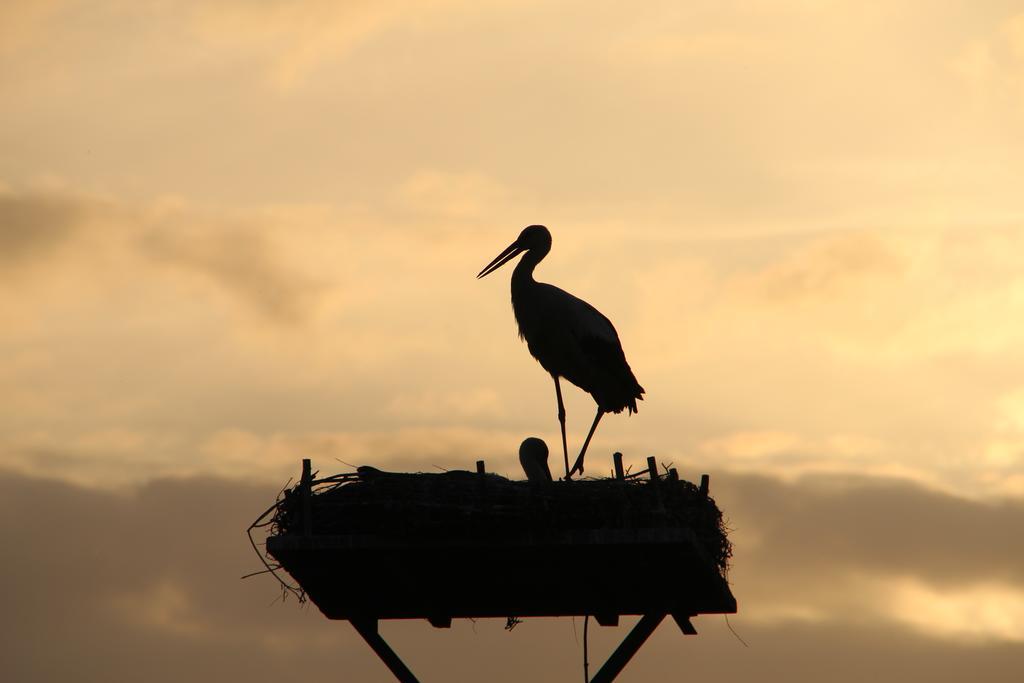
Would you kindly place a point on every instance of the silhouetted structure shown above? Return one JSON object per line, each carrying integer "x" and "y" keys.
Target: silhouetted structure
{"x": 569, "y": 337}
{"x": 374, "y": 545}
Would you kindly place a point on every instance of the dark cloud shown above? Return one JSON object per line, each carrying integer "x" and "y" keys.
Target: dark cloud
{"x": 833, "y": 652}
{"x": 827, "y": 524}
{"x": 90, "y": 569}
{"x": 242, "y": 261}
{"x": 237, "y": 257}
{"x": 144, "y": 586}
{"x": 32, "y": 226}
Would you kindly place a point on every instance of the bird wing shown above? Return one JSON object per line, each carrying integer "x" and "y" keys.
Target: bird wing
{"x": 584, "y": 322}
{"x": 590, "y": 354}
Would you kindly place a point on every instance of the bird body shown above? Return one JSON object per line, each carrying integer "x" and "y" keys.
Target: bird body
{"x": 572, "y": 339}
{"x": 569, "y": 337}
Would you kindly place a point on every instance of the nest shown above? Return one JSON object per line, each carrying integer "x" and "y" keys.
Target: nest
{"x": 471, "y": 505}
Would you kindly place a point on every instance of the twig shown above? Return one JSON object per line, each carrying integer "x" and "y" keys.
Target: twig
{"x": 745, "y": 644}
{"x": 262, "y": 571}
{"x": 298, "y": 592}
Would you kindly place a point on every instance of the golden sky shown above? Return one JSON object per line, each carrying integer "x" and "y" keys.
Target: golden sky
{"x": 234, "y": 234}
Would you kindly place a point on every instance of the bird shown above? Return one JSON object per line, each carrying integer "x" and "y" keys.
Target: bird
{"x": 533, "y": 456}
{"x": 568, "y": 337}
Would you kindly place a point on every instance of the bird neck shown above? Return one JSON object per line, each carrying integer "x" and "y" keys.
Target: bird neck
{"x": 523, "y": 274}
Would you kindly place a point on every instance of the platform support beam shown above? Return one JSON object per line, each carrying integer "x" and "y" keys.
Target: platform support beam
{"x": 367, "y": 628}
{"x": 684, "y": 623}
{"x": 629, "y": 646}
{"x": 440, "y": 621}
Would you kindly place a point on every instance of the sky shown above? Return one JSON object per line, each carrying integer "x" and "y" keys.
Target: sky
{"x": 235, "y": 234}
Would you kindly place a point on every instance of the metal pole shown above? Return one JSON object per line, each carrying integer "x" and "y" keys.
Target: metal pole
{"x": 629, "y": 646}
{"x": 368, "y": 630}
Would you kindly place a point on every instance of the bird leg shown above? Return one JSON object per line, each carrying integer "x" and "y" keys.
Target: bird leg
{"x": 561, "y": 421}
{"x": 578, "y": 465}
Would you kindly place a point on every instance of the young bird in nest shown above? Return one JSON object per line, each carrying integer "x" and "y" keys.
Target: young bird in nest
{"x": 533, "y": 456}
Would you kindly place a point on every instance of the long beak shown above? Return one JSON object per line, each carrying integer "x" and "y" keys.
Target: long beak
{"x": 504, "y": 257}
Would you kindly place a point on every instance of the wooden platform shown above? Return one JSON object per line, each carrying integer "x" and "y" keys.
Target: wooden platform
{"x": 371, "y": 546}
{"x": 566, "y": 573}
{"x": 461, "y": 546}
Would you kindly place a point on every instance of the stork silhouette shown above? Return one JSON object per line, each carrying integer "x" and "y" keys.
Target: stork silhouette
{"x": 569, "y": 337}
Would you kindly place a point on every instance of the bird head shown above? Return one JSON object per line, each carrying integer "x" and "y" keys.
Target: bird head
{"x": 533, "y": 448}
{"x": 533, "y": 456}
{"x": 533, "y": 237}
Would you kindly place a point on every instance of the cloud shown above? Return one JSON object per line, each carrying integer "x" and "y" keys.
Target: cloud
{"x": 890, "y": 352}
{"x": 134, "y": 583}
{"x": 830, "y": 526}
{"x": 440, "y": 405}
{"x": 831, "y": 267}
{"x": 164, "y": 606}
{"x": 112, "y": 458}
{"x": 120, "y": 241}
{"x": 33, "y": 226}
{"x": 759, "y": 125}
{"x": 421, "y": 449}
{"x": 116, "y": 459}
{"x": 242, "y": 261}
{"x": 991, "y": 66}
{"x": 975, "y": 613}
{"x": 177, "y": 324}
{"x": 799, "y": 215}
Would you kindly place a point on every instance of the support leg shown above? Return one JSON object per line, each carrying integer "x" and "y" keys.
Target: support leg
{"x": 561, "y": 421}
{"x": 367, "y": 628}
{"x": 685, "y": 625}
{"x": 629, "y": 646}
{"x": 578, "y": 466}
